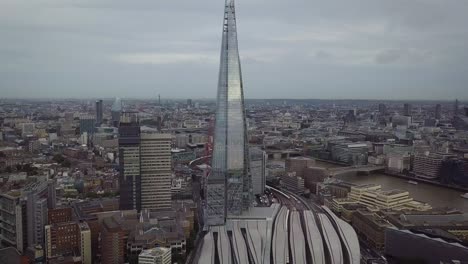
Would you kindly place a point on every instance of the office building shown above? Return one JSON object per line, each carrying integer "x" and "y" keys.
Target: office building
{"x": 129, "y": 164}
{"x": 373, "y": 197}
{"x": 23, "y": 215}
{"x": 13, "y": 225}
{"x": 371, "y": 226}
{"x": 59, "y": 215}
{"x": 145, "y": 167}
{"x": 438, "y": 112}
{"x": 229, "y": 186}
{"x": 298, "y": 165}
{"x": 99, "y": 112}
{"x": 292, "y": 182}
{"x": 68, "y": 239}
{"x": 28, "y": 129}
{"x": 87, "y": 124}
{"x": 455, "y": 108}
{"x": 39, "y": 197}
{"x": 407, "y": 109}
{"x": 159, "y": 255}
{"x": 116, "y": 112}
{"x": 258, "y": 159}
{"x": 155, "y": 171}
{"x": 113, "y": 242}
{"x": 429, "y": 166}
{"x": 382, "y": 109}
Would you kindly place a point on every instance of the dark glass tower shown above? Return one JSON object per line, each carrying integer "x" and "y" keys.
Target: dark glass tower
{"x": 229, "y": 187}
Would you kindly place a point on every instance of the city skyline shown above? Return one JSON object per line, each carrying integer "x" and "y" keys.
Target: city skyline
{"x": 397, "y": 50}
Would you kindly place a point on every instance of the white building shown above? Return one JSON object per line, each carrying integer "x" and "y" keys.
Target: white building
{"x": 159, "y": 255}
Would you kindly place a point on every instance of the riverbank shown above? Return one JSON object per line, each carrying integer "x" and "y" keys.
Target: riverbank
{"x": 453, "y": 187}
{"x": 333, "y": 164}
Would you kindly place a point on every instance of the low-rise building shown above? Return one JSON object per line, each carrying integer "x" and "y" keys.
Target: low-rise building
{"x": 159, "y": 255}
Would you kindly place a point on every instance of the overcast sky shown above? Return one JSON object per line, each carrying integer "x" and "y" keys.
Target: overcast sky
{"x": 333, "y": 49}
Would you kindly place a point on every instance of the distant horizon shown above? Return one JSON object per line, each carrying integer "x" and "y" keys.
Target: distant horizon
{"x": 214, "y": 99}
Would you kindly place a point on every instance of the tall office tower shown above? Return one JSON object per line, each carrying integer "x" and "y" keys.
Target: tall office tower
{"x": 455, "y": 108}
{"x": 407, "y": 110}
{"x": 258, "y": 159}
{"x": 155, "y": 171}
{"x": 116, "y": 112}
{"x": 229, "y": 186}
{"x": 382, "y": 109}
{"x": 129, "y": 164}
{"x": 438, "y": 111}
{"x": 99, "y": 112}
{"x": 145, "y": 167}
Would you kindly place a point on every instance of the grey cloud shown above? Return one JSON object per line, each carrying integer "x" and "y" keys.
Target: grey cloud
{"x": 296, "y": 48}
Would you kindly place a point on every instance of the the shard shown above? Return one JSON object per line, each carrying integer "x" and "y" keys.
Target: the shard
{"x": 228, "y": 190}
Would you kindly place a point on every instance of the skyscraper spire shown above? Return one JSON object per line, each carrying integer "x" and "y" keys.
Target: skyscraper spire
{"x": 229, "y": 190}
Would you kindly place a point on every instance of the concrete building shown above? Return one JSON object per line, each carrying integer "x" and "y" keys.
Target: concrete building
{"x": 13, "y": 225}
{"x": 145, "y": 162}
{"x": 410, "y": 246}
{"x": 68, "y": 239}
{"x": 382, "y": 109}
{"x": 398, "y": 163}
{"x": 160, "y": 255}
{"x": 258, "y": 160}
{"x": 350, "y": 153}
{"x": 116, "y": 112}
{"x": 156, "y": 174}
{"x": 113, "y": 242}
{"x": 298, "y": 165}
{"x": 429, "y": 166}
{"x": 374, "y": 198}
{"x": 438, "y": 112}
{"x": 370, "y": 226}
{"x": 292, "y": 182}
{"x": 99, "y": 112}
{"x": 28, "y": 129}
{"x": 87, "y": 124}
{"x": 39, "y": 197}
{"x": 129, "y": 164}
{"x": 407, "y": 109}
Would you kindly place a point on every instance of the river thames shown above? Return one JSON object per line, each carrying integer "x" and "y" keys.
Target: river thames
{"x": 434, "y": 195}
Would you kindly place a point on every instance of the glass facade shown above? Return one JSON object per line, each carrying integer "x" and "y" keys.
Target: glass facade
{"x": 229, "y": 190}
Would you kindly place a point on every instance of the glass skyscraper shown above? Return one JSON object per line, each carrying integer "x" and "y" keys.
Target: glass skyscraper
{"x": 229, "y": 187}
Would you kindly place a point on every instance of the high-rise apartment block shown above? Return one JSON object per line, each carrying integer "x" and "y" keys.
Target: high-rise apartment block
{"x": 258, "y": 159}
{"x": 145, "y": 168}
{"x": 229, "y": 186}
